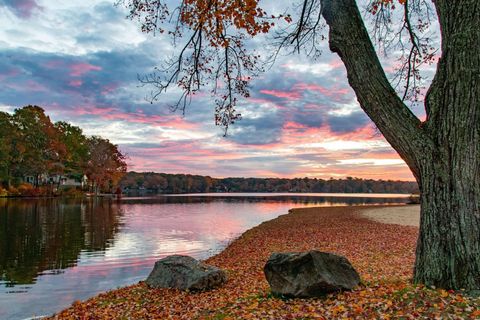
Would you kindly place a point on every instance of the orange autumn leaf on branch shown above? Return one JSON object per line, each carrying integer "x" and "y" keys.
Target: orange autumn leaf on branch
{"x": 212, "y": 18}
{"x": 378, "y": 5}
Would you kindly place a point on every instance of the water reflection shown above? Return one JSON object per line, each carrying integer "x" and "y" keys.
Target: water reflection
{"x": 69, "y": 250}
{"x": 48, "y": 235}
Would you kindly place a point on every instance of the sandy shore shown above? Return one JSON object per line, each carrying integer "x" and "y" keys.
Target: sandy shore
{"x": 408, "y": 215}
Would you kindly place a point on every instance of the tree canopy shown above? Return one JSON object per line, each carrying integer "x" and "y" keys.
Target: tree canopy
{"x": 31, "y": 145}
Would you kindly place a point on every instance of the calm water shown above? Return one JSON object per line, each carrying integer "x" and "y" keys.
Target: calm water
{"x": 53, "y": 252}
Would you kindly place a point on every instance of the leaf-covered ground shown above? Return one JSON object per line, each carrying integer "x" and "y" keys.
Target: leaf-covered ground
{"x": 383, "y": 254}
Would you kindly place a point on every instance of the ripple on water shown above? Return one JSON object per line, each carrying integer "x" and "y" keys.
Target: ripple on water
{"x": 73, "y": 249}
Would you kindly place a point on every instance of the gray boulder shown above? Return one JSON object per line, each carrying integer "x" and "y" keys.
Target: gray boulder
{"x": 309, "y": 274}
{"x": 183, "y": 272}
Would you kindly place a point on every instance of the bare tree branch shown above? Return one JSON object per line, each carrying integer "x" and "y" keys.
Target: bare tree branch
{"x": 210, "y": 54}
{"x": 410, "y": 39}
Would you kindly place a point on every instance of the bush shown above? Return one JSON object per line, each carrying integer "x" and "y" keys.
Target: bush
{"x": 71, "y": 192}
{"x": 13, "y": 192}
{"x": 27, "y": 190}
{"x": 3, "y": 192}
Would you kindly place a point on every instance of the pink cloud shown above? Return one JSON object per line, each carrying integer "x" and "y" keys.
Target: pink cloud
{"x": 24, "y": 8}
{"x": 76, "y": 83}
{"x": 289, "y": 95}
{"x": 336, "y": 63}
{"x": 9, "y": 73}
{"x": 92, "y": 111}
{"x": 190, "y": 151}
{"x": 109, "y": 88}
{"x": 183, "y": 157}
{"x": 28, "y": 86}
{"x": 53, "y": 64}
{"x": 270, "y": 103}
{"x": 336, "y": 93}
{"x": 35, "y": 86}
{"x": 367, "y": 132}
{"x": 170, "y": 121}
{"x": 79, "y": 69}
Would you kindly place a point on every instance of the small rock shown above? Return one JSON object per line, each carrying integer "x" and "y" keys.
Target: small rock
{"x": 183, "y": 272}
{"x": 309, "y": 274}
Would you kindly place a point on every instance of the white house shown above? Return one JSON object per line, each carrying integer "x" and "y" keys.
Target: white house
{"x": 63, "y": 181}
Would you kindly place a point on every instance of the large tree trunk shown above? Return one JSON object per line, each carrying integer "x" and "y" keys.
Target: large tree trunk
{"x": 444, "y": 151}
{"x": 448, "y": 250}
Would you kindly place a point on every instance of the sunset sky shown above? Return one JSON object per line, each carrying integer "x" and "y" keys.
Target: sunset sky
{"x": 79, "y": 60}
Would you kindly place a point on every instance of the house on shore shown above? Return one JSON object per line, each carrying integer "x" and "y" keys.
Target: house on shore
{"x": 58, "y": 180}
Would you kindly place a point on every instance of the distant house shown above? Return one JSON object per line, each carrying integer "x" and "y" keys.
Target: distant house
{"x": 61, "y": 180}
{"x": 43, "y": 179}
{"x": 73, "y": 181}
{"x": 29, "y": 179}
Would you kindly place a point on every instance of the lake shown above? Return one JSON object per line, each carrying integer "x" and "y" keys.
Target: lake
{"x": 56, "y": 251}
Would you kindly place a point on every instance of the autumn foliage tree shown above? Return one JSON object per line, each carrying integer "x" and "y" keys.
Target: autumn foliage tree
{"x": 41, "y": 150}
{"x": 9, "y": 153}
{"x": 106, "y": 165}
{"x": 31, "y": 145}
{"x": 443, "y": 151}
{"x": 76, "y": 147}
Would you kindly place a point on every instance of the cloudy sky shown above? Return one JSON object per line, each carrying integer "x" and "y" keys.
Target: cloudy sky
{"x": 79, "y": 60}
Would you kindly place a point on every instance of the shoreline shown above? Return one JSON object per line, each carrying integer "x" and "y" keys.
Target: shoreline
{"x": 383, "y": 254}
{"x": 406, "y": 215}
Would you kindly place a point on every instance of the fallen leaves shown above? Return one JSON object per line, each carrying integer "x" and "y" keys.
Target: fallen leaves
{"x": 382, "y": 254}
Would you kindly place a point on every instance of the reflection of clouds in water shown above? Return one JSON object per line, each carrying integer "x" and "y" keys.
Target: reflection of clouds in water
{"x": 125, "y": 244}
{"x": 178, "y": 246}
{"x": 178, "y": 233}
{"x": 191, "y": 229}
{"x": 124, "y": 240}
{"x": 153, "y": 244}
{"x": 187, "y": 221}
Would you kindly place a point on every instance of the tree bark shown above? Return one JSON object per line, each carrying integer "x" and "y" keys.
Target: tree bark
{"x": 444, "y": 151}
{"x": 448, "y": 249}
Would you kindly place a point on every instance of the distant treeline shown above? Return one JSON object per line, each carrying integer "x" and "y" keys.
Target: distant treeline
{"x": 184, "y": 183}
